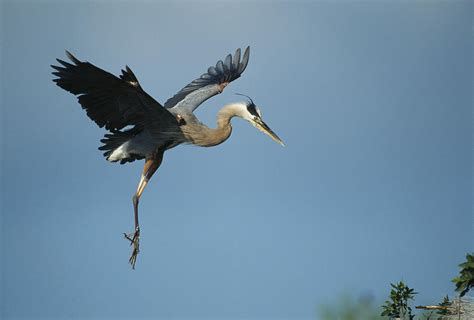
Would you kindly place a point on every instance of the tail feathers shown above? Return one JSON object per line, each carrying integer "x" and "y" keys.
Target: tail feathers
{"x": 114, "y": 142}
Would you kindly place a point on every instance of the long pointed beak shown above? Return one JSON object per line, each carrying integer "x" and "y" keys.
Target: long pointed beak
{"x": 262, "y": 126}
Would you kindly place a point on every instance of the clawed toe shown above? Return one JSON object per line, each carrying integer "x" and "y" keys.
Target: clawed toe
{"x": 135, "y": 241}
{"x": 130, "y": 237}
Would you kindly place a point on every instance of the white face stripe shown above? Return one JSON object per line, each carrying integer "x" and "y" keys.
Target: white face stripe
{"x": 241, "y": 109}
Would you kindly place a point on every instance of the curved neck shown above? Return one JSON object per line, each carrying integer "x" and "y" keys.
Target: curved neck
{"x": 226, "y": 113}
{"x": 209, "y": 137}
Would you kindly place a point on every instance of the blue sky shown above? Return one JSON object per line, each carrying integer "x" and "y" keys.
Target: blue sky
{"x": 374, "y": 103}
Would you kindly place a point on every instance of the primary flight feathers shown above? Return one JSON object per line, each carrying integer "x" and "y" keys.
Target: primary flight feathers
{"x": 209, "y": 82}
{"x": 109, "y": 101}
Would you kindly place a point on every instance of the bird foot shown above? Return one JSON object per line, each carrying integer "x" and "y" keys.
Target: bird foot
{"x": 134, "y": 239}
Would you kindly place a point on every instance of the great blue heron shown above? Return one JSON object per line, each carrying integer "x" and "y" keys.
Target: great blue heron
{"x": 141, "y": 128}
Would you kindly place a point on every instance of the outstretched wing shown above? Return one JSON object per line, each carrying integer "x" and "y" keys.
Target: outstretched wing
{"x": 109, "y": 101}
{"x": 209, "y": 84}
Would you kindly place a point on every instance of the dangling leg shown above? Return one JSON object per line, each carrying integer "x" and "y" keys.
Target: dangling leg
{"x": 151, "y": 165}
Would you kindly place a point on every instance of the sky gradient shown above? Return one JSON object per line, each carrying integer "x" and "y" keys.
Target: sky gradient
{"x": 374, "y": 103}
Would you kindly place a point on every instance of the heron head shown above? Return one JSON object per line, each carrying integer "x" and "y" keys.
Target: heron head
{"x": 252, "y": 114}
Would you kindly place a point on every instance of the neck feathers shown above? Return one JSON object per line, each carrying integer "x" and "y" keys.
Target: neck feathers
{"x": 226, "y": 113}
{"x": 209, "y": 137}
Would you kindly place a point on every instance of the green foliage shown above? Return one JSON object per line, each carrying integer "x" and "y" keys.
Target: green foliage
{"x": 398, "y": 306}
{"x": 445, "y": 303}
{"x": 465, "y": 281}
{"x": 349, "y": 309}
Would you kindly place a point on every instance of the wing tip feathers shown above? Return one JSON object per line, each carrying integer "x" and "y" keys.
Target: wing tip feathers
{"x": 72, "y": 57}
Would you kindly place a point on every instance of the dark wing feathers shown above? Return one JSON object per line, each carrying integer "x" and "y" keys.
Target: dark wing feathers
{"x": 72, "y": 58}
{"x": 128, "y": 76}
{"x": 228, "y": 63}
{"x": 235, "y": 64}
{"x": 210, "y": 83}
{"x": 109, "y": 101}
{"x": 244, "y": 62}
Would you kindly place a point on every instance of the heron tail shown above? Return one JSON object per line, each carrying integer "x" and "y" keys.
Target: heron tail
{"x": 115, "y": 146}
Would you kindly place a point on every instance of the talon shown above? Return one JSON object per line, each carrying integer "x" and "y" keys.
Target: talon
{"x": 135, "y": 241}
{"x": 128, "y": 237}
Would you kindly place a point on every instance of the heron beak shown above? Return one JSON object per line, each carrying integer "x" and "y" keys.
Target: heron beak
{"x": 262, "y": 126}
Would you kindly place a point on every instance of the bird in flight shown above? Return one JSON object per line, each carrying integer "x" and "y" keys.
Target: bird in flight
{"x": 141, "y": 128}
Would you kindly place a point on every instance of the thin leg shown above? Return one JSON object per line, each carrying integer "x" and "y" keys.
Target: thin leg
{"x": 151, "y": 165}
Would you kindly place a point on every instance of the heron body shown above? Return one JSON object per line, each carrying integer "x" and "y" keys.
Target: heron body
{"x": 141, "y": 128}
{"x": 191, "y": 131}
